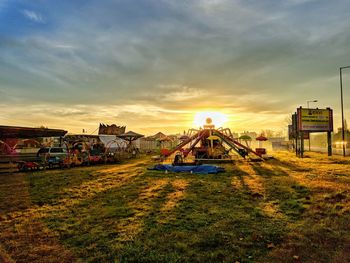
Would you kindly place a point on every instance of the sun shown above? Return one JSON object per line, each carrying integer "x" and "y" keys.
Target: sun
{"x": 217, "y": 118}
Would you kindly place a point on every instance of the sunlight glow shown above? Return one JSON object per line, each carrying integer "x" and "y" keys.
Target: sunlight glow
{"x": 218, "y": 118}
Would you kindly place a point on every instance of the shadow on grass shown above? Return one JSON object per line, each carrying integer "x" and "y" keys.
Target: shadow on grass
{"x": 14, "y": 195}
{"x": 48, "y": 187}
{"x": 214, "y": 222}
{"x": 159, "y": 217}
{"x": 289, "y": 165}
{"x": 260, "y": 169}
{"x": 291, "y": 197}
{"x": 209, "y": 221}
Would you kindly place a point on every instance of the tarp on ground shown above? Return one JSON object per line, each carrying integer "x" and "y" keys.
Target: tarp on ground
{"x": 196, "y": 169}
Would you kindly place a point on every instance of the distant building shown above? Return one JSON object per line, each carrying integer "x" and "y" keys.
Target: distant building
{"x": 278, "y": 143}
{"x": 111, "y": 129}
{"x": 158, "y": 141}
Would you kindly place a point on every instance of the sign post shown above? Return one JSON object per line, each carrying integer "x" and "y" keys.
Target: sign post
{"x": 329, "y": 142}
{"x": 294, "y": 132}
{"x": 315, "y": 120}
{"x": 302, "y": 144}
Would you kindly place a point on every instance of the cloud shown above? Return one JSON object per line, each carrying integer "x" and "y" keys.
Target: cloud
{"x": 89, "y": 116}
{"x": 179, "y": 93}
{"x": 34, "y": 16}
{"x": 244, "y": 58}
{"x": 299, "y": 2}
{"x": 145, "y": 118}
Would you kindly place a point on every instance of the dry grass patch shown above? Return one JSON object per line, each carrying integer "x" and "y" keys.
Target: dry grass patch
{"x": 281, "y": 210}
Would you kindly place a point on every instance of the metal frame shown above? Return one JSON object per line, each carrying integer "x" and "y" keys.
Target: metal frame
{"x": 342, "y": 108}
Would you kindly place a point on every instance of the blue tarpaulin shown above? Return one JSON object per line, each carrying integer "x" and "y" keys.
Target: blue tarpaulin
{"x": 197, "y": 169}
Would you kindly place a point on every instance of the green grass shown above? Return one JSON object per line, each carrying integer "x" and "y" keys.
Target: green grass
{"x": 282, "y": 210}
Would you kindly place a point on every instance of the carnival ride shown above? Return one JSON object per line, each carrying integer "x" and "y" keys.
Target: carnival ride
{"x": 209, "y": 144}
{"x": 27, "y": 148}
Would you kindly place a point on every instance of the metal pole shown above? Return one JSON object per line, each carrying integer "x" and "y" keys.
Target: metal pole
{"x": 329, "y": 143}
{"x": 308, "y": 102}
{"x": 308, "y": 106}
{"x": 302, "y": 144}
{"x": 342, "y": 111}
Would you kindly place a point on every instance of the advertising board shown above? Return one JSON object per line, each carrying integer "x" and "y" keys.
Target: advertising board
{"x": 315, "y": 120}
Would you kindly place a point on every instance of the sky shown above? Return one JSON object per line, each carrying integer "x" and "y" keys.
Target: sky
{"x": 153, "y": 64}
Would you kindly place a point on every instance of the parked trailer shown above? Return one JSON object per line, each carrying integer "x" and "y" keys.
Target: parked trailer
{"x": 74, "y": 152}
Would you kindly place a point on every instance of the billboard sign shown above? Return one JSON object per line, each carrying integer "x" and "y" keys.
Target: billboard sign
{"x": 315, "y": 120}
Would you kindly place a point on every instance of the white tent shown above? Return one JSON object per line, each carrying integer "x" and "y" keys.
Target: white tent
{"x": 112, "y": 142}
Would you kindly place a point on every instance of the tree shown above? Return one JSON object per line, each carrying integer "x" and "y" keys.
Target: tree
{"x": 268, "y": 133}
{"x": 289, "y": 119}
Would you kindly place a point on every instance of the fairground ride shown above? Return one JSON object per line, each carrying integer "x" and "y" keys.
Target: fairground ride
{"x": 210, "y": 144}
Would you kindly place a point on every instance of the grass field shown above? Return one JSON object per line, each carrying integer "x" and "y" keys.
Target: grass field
{"x": 281, "y": 210}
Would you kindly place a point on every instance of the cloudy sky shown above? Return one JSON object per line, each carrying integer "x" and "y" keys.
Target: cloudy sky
{"x": 152, "y": 64}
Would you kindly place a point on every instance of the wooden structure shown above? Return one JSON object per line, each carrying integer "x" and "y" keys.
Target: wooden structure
{"x": 27, "y": 133}
{"x": 111, "y": 129}
{"x": 130, "y": 136}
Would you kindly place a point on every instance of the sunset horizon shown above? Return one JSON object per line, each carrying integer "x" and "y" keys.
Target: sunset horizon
{"x": 152, "y": 65}
{"x": 174, "y": 131}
